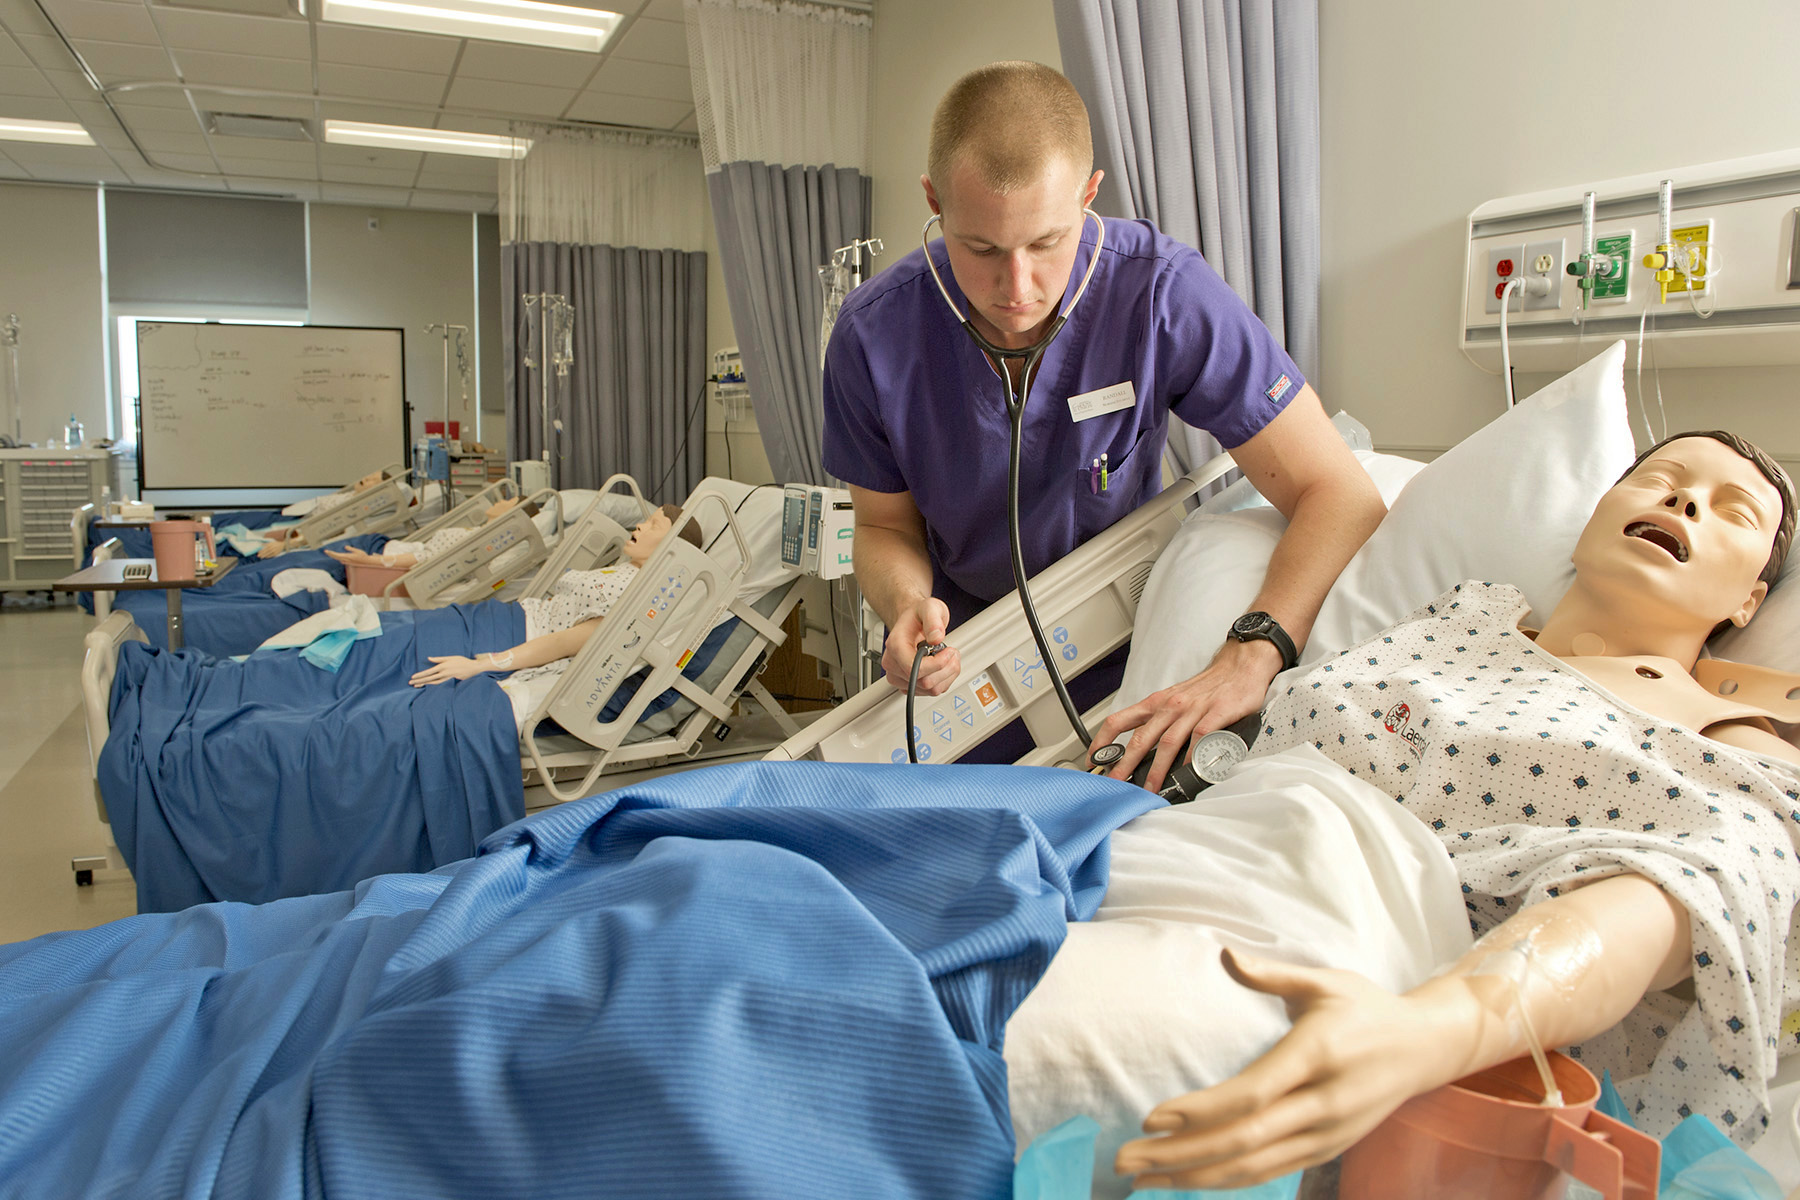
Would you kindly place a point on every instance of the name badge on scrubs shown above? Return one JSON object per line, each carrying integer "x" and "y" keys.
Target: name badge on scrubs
{"x": 1107, "y": 399}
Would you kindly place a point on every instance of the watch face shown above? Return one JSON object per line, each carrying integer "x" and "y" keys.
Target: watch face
{"x": 1250, "y": 623}
{"x": 1218, "y": 752}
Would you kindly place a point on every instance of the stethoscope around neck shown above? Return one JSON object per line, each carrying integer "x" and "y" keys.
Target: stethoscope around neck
{"x": 1016, "y": 397}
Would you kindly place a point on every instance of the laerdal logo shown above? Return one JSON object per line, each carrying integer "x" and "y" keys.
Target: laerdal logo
{"x": 1399, "y": 720}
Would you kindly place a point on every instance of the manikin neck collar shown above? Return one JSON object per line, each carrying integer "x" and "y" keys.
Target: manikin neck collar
{"x": 1061, "y": 317}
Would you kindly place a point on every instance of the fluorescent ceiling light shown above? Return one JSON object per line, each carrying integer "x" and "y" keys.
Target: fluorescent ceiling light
{"x": 437, "y": 141}
{"x": 562, "y": 26}
{"x": 62, "y": 133}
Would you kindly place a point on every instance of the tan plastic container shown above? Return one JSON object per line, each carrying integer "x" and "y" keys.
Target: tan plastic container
{"x": 366, "y": 580}
{"x": 172, "y": 542}
{"x": 1489, "y": 1137}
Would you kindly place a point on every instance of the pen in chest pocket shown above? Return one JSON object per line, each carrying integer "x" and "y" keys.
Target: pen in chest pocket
{"x": 1098, "y": 476}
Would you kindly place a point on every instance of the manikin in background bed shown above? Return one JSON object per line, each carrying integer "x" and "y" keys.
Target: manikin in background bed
{"x": 289, "y": 538}
{"x": 1618, "y": 825}
{"x": 558, "y": 626}
{"x": 401, "y": 553}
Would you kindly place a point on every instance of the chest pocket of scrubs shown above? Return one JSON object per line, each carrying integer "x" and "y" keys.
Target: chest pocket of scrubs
{"x": 1125, "y": 477}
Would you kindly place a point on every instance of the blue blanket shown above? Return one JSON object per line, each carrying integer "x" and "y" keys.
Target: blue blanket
{"x": 268, "y": 778}
{"x": 240, "y": 613}
{"x": 773, "y": 980}
{"x": 135, "y": 540}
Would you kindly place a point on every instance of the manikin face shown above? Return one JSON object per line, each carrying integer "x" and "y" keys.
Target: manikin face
{"x": 1688, "y": 531}
{"x": 646, "y": 536}
{"x": 368, "y": 481}
{"x": 500, "y": 508}
{"x": 1012, "y": 253}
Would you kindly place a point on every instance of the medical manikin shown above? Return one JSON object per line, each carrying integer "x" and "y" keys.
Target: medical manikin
{"x": 559, "y": 626}
{"x": 398, "y": 553}
{"x": 280, "y": 540}
{"x": 1687, "y": 542}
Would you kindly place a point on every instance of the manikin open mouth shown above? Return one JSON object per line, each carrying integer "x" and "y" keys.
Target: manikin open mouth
{"x": 1656, "y": 535}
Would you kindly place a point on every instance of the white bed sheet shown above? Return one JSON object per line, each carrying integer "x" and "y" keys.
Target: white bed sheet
{"x": 1292, "y": 857}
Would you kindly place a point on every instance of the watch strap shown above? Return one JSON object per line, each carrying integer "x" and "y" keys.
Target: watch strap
{"x": 1270, "y": 631}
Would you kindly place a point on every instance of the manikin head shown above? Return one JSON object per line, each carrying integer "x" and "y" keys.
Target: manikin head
{"x": 1011, "y": 169}
{"x": 500, "y": 508}
{"x": 1691, "y": 537}
{"x": 649, "y": 533}
{"x": 368, "y": 481}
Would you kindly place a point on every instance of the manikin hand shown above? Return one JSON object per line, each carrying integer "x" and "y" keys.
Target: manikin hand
{"x": 351, "y": 556}
{"x": 450, "y": 666}
{"x": 1232, "y": 686}
{"x": 1356, "y": 1053}
{"x": 927, "y": 621}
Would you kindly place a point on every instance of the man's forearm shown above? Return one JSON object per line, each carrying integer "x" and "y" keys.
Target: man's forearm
{"x": 1328, "y": 526}
{"x": 893, "y": 570}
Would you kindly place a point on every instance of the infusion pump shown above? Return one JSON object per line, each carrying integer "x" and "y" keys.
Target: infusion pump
{"x": 818, "y": 528}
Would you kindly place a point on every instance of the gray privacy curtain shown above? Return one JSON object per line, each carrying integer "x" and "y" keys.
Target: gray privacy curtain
{"x": 1206, "y": 122}
{"x": 777, "y": 226}
{"x": 633, "y": 398}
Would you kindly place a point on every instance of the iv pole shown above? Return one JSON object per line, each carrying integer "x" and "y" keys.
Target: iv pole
{"x": 555, "y": 320}
{"x": 12, "y": 427}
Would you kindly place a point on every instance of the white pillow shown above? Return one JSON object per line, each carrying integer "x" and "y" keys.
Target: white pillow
{"x": 1772, "y": 638}
{"x": 1506, "y": 505}
{"x": 1209, "y": 575}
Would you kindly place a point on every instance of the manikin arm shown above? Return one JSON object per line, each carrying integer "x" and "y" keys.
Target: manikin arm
{"x": 535, "y": 653}
{"x": 351, "y": 556}
{"x": 1356, "y": 1052}
{"x": 893, "y": 570}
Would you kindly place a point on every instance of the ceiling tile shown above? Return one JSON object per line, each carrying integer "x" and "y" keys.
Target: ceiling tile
{"x": 461, "y": 166}
{"x": 72, "y": 85}
{"x": 12, "y": 54}
{"x": 264, "y": 168}
{"x": 202, "y": 163}
{"x": 522, "y": 98}
{"x": 44, "y": 51}
{"x": 265, "y": 149}
{"x": 25, "y": 81}
{"x": 39, "y": 154}
{"x": 159, "y": 140}
{"x": 654, "y": 81}
{"x": 116, "y": 62}
{"x": 691, "y": 125}
{"x": 36, "y": 108}
{"x": 256, "y": 106}
{"x": 381, "y": 48}
{"x": 376, "y": 84}
{"x": 630, "y": 110}
{"x": 139, "y": 119}
{"x": 342, "y": 174}
{"x": 377, "y": 113}
{"x": 150, "y": 97}
{"x": 369, "y": 156}
{"x": 468, "y": 124}
{"x": 187, "y": 29}
{"x": 103, "y": 22}
{"x": 551, "y": 68}
{"x": 664, "y": 10}
{"x": 245, "y": 70}
{"x": 360, "y": 196}
{"x": 654, "y": 41}
{"x": 451, "y": 201}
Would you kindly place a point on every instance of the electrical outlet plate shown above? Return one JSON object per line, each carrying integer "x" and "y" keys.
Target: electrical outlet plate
{"x": 1700, "y": 231}
{"x": 1614, "y": 288}
{"x": 1504, "y": 264}
{"x": 1545, "y": 259}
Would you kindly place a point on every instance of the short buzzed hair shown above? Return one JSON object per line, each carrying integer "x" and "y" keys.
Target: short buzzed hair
{"x": 1009, "y": 119}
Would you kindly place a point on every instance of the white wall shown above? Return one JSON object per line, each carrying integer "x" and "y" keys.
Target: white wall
{"x": 921, "y": 48}
{"x": 1421, "y": 123}
{"x": 51, "y": 279}
{"x": 412, "y": 269}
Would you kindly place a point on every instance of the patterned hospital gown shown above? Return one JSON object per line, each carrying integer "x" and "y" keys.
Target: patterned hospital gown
{"x": 577, "y": 596}
{"x": 430, "y": 548}
{"x": 1535, "y": 778}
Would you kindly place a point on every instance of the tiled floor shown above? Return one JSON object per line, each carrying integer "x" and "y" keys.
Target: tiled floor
{"x": 47, "y": 813}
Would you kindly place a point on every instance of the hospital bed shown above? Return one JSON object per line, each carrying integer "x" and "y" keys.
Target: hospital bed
{"x": 1087, "y": 604}
{"x": 384, "y": 508}
{"x": 502, "y": 550}
{"x": 470, "y": 513}
{"x": 697, "y": 630}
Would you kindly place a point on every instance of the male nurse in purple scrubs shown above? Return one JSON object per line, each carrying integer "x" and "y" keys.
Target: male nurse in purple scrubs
{"x": 916, "y": 421}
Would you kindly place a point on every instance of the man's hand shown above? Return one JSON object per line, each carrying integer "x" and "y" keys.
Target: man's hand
{"x": 1355, "y": 1054}
{"x": 1232, "y": 686}
{"x": 927, "y": 621}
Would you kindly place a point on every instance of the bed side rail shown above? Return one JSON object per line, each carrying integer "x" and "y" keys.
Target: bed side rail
{"x": 1087, "y": 603}
{"x": 99, "y": 663}
{"x": 470, "y": 513}
{"x": 472, "y": 567}
{"x": 378, "y": 510}
{"x": 592, "y": 542}
{"x": 106, "y": 551}
{"x": 659, "y": 622}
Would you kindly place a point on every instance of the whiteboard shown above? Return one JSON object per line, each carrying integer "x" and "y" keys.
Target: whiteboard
{"x": 267, "y": 406}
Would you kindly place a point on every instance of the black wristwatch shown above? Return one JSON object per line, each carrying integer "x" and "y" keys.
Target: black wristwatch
{"x": 1260, "y": 626}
